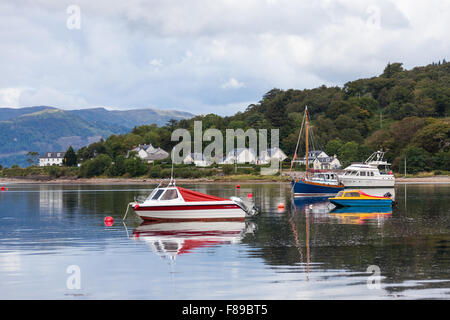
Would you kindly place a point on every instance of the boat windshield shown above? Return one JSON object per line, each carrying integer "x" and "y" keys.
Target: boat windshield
{"x": 352, "y": 194}
{"x": 170, "y": 194}
{"x": 157, "y": 194}
{"x": 340, "y": 193}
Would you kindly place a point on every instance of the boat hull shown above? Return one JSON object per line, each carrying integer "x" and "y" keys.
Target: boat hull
{"x": 189, "y": 212}
{"x": 362, "y": 202}
{"x": 304, "y": 188}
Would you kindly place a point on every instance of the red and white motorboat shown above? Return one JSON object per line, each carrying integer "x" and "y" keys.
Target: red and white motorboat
{"x": 172, "y": 203}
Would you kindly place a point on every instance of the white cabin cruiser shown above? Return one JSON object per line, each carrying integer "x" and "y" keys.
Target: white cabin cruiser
{"x": 368, "y": 174}
{"x": 172, "y": 203}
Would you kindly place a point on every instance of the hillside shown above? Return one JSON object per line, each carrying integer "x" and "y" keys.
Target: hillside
{"x": 403, "y": 112}
{"x": 130, "y": 118}
{"x": 50, "y": 129}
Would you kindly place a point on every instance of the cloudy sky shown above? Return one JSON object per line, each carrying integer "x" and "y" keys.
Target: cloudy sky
{"x": 204, "y": 56}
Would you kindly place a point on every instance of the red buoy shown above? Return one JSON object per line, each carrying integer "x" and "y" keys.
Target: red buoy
{"x": 238, "y": 186}
{"x": 249, "y": 195}
{"x": 109, "y": 221}
{"x": 136, "y": 206}
{"x": 3, "y": 188}
{"x": 281, "y": 206}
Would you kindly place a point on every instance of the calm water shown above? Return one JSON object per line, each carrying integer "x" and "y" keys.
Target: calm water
{"x": 302, "y": 252}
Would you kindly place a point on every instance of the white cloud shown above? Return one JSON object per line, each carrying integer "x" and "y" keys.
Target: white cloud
{"x": 172, "y": 54}
{"x": 9, "y": 97}
{"x": 232, "y": 83}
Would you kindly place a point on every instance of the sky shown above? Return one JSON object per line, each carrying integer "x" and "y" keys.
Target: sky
{"x": 204, "y": 56}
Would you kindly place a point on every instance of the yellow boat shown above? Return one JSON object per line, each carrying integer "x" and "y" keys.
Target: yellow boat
{"x": 357, "y": 198}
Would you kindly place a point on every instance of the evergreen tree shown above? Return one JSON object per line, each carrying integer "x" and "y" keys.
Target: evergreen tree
{"x": 70, "y": 158}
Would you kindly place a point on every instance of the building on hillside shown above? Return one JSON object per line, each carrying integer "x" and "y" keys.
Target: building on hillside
{"x": 240, "y": 155}
{"x": 327, "y": 163}
{"x": 272, "y": 153}
{"x": 51, "y": 158}
{"x": 320, "y": 160}
{"x": 312, "y": 155}
{"x": 149, "y": 153}
{"x": 198, "y": 159}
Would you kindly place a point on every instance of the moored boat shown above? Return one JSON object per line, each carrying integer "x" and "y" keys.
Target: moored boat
{"x": 357, "y": 198}
{"x": 318, "y": 185}
{"x": 173, "y": 203}
{"x": 314, "y": 184}
{"x": 367, "y": 174}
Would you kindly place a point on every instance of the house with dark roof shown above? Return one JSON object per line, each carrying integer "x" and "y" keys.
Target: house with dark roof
{"x": 320, "y": 160}
{"x": 149, "y": 153}
{"x": 327, "y": 163}
{"x": 51, "y": 158}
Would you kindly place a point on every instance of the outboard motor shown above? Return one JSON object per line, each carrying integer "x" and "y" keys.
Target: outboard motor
{"x": 249, "y": 208}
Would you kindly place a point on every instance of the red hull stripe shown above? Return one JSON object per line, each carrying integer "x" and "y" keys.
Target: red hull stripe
{"x": 184, "y": 207}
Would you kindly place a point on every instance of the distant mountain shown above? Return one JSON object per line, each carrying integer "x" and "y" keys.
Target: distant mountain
{"x": 131, "y": 118}
{"x": 43, "y": 128}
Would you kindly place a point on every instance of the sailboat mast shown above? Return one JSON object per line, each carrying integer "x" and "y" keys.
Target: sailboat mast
{"x": 306, "y": 127}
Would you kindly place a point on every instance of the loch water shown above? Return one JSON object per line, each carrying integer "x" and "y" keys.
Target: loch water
{"x": 54, "y": 244}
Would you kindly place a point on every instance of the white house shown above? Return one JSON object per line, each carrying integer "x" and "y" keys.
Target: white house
{"x": 51, "y": 158}
{"x": 327, "y": 163}
{"x": 272, "y": 153}
{"x": 150, "y": 153}
{"x": 312, "y": 155}
{"x": 240, "y": 155}
{"x": 198, "y": 159}
{"x": 320, "y": 160}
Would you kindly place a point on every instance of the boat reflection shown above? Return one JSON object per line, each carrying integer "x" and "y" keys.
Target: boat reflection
{"x": 170, "y": 239}
{"x": 361, "y": 215}
{"x": 317, "y": 207}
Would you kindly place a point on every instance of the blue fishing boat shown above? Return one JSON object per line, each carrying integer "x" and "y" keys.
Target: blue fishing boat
{"x": 315, "y": 184}
{"x": 357, "y": 198}
{"x": 319, "y": 185}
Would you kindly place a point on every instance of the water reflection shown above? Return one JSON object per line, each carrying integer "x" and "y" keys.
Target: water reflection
{"x": 361, "y": 215}
{"x": 307, "y": 250}
{"x": 50, "y": 200}
{"x": 170, "y": 239}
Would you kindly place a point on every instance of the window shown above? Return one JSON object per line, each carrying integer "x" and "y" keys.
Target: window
{"x": 340, "y": 193}
{"x": 170, "y": 195}
{"x": 362, "y": 173}
{"x": 158, "y": 194}
{"x": 352, "y": 194}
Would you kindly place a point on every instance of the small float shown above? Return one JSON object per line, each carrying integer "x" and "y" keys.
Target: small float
{"x": 173, "y": 203}
{"x": 357, "y": 198}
